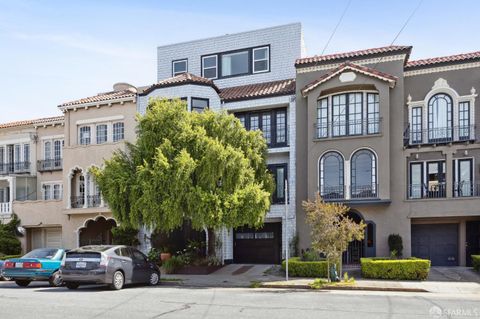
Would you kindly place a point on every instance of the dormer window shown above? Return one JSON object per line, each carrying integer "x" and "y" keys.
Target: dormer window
{"x": 179, "y": 67}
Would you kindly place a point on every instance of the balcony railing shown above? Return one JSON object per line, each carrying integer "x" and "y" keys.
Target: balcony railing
{"x": 93, "y": 200}
{"x": 466, "y": 189}
{"x": 49, "y": 165}
{"x": 422, "y": 191}
{"x": 440, "y": 135}
{"x": 77, "y": 201}
{"x": 348, "y": 128}
{"x": 16, "y": 167}
{"x": 5, "y": 208}
{"x": 332, "y": 193}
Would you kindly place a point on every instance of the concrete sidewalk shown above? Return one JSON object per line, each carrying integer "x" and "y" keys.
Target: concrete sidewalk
{"x": 443, "y": 280}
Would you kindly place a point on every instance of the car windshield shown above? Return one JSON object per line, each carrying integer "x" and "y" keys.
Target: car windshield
{"x": 42, "y": 253}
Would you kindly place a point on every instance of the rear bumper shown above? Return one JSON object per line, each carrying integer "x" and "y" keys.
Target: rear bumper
{"x": 86, "y": 276}
{"x": 27, "y": 275}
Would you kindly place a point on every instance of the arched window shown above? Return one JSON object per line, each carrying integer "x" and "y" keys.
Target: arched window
{"x": 331, "y": 176}
{"x": 364, "y": 174}
{"x": 440, "y": 118}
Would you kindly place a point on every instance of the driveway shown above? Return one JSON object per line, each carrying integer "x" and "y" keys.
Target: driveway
{"x": 454, "y": 274}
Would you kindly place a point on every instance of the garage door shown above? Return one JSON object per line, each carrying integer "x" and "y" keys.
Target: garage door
{"x": 53, "y": 238}
{"x": 437, "y": 242}
{"x": 258, "y": 246}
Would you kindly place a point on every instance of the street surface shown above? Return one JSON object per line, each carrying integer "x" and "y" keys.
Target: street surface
{"x": 41, "y": 301}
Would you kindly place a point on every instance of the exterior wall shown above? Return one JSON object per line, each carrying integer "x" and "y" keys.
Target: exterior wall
{"x": 285, "y": 46}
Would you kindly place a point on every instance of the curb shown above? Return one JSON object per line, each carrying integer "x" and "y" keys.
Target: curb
{"x": 359, "y": 288}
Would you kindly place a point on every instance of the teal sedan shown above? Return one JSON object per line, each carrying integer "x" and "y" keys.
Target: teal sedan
{"x": 38, "y": 265}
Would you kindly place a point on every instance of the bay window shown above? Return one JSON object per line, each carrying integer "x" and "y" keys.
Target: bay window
{"x": 272, "y": 123}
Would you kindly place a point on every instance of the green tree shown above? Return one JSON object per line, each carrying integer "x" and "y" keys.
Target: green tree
{"x": 202, "y": 167}
{"x": 332, "y": 230}
{"x": 9, "y": 243}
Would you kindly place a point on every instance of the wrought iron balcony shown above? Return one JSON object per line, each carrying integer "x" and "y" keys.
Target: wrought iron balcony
{"x": 49, "y": 165}
{"x": 93, "y": 200}
{"x": 439, "y": 135}
{"x": 332, "y": 193}
{"x": 77, "y": 201}
{"x": 364, "y": 191}
{"x": 425, "y": 191}
{"x": 348, "y": 128}
{"x": 15, "y": 167}
{"x": 466, "y": 189}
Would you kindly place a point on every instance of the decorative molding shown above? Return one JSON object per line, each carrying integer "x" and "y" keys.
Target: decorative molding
{"x": 101, "y": 119}
{"x": 52, "y": 137}
{"x": 347, "y": 77}
{"x": 454, "y": 67}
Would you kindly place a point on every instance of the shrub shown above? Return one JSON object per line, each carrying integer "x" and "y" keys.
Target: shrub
{"x": 397, "y": 269}
{"x": 311, "y": 255}
{"x": 173, "y": 264}
{"x": 299, "y": 268}
{"x": 476, "y": 262}
{"x": 9, "y": 257}
{"x": 9, "y": 243}
{"x": 125, "y": 236}
{"x": 153, "y": 255}
{"x": 395, "y": 243}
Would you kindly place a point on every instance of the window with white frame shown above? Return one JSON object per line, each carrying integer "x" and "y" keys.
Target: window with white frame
{"x": 118, "y": 131}
{"x": 235, "y": 63}
{"x": 332, "y": 176}
{"x": 85, "y": 135}
{"x": 261, "y": 60}
{"x": 52, "y": 191}
{"x": 102, "y": 133}
{"x": 199, "y": 104}
{"x": 179, "y": 67}
{"x": 210, "y": 67}
{"x": 26, "y": 153}
{"x": 47, "y": 150}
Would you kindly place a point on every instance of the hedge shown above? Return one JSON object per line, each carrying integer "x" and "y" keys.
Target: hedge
{"x": 299, "y": 268}
{"x": 476, "y": 262}
{"x": 9, "y": 257}
{"x": 397, "y": 269}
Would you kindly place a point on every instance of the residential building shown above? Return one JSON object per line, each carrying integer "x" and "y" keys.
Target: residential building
{"x": 395, "y": 140}
{"x": 251, "y": 75}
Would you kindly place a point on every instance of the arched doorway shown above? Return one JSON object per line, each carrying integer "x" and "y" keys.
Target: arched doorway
{"x": 96, "y": 231}
{"x": 360, "y": 248}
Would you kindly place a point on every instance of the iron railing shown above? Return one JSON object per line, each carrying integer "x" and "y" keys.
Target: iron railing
{"x": 422, "y": 191}
{"x": 440, "y": 135}
{"x": 49, "y": 165}
{"x": 466, "y": 189}
{"x": 14, "y": 167}
{"x": 355, "y": 191}
{"x": 77, "y": 201}
{"x": 93, "y": 200}
{"x": 348, "y": 128}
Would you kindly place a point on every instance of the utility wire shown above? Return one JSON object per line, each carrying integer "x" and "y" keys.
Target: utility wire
{"x": 336, "y": 26}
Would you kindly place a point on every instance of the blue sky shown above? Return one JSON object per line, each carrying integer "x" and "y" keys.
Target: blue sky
{"x": 55, "y": 51}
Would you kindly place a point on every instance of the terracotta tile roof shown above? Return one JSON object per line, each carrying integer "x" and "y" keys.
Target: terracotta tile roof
{"x": 181, "y": 79}
{"x": 258, "y": 90}
{"x": 101, "y": 97}
{"x": 464, "y": 57}
{"x": 42, "y": 121}
{"x": 353, "y": 54}
{"x": 353, "y": 67}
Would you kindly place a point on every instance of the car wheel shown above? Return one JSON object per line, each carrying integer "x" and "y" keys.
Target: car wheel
{"x": 72, "y": 285}
{"x": 154, "y": 279}
{"x": 5, "y": 278}
{"x": 55, "y": 280}
{"x": 118, "y": 280}
{"x": 22, "y": 283}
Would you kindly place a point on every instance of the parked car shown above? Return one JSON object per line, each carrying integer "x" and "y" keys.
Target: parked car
{"x": 115, "y": 265}
{"x": 41, "y": 264}
{"x": 2, "y": 276}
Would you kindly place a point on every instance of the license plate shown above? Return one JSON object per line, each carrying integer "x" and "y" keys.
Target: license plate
{"x": 81, "y": 264}
{"x": 18, "y": 265}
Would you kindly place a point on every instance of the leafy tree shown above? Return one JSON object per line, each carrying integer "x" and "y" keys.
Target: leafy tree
{"x": 332, "y": 230}
{"x": 201, "y": 167}
{"x": 9, "y": 243}
{"x": 125, "y": 236}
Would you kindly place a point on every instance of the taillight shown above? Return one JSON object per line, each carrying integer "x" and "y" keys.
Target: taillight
{"x": 32, "y": 265}
{"x": 9, "y": 264}
{"x": 104, "y": 260}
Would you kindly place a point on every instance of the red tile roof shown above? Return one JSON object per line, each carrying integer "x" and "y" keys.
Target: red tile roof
{"x": 42, "y": 121}
{"x": 353, "y": 67}
{"x": 464, "y": 57}
{"x": 101, "y": 97}
{"x": 258, "y": 90}
{"x": 353, "y": 54}
{"x": 181, "y": 79}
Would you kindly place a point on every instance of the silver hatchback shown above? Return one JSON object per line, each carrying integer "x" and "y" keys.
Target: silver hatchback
{"x": 115, "y": 265}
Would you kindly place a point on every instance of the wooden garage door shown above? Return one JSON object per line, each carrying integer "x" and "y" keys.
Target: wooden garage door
{"x": 258, "y": 246}
{"x": 437, "y": 242}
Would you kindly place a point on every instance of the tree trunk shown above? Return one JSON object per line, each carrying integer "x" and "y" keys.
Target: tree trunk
{"x": 205, "y": 229}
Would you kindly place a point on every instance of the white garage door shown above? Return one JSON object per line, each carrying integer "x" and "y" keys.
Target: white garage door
{"x": 53, "y": 238}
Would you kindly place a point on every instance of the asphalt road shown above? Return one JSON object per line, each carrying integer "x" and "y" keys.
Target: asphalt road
{"x": 41, "y": 301}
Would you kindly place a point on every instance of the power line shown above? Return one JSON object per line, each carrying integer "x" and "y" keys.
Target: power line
{"x": 336, "y": 26}
{"x": 407, "y": 21}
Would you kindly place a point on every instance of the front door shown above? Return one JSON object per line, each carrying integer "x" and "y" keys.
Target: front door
{"x": 258, "y": 246}
{"x": 473, "y": 241}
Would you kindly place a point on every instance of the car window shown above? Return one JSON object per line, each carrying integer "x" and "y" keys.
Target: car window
{"x": 42, "y": 253}
{"x": 138, "y": 256}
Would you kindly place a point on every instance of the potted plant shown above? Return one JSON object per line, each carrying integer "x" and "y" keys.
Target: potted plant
{"x": 164, "y": 254}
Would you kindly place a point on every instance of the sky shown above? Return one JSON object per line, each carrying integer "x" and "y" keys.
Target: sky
{"x": 56, "y": 51}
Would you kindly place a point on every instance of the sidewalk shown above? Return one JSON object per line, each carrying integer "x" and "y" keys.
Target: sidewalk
{"x": 441, "y": 280}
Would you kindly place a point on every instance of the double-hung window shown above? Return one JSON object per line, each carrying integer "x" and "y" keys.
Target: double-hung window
{"x": 102, "y": 133}
{"x": 199, "y": 105}
{"x": 416, "y": 126}
{"x": 118, "y": 131}
{"x": 210, "y": 66}
{"x": 279, "y": 172}
{"x": 464, "y": 120}
{"x": 272, "y": 123}
{"x": 373, "y": 113}
{"x": 261, "y": 60}
{"x": 322, "y": 118}
{"x": 85, "y": 135}
{"x": 179, "y": 67}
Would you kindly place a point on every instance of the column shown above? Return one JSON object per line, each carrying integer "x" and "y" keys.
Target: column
{"x": 347, "y": 179}
{"x": 85, "y": 189}
{"x": 69, "y": 190}
{"x": 449, "y": 174}
{"x": 12, "y": 194}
